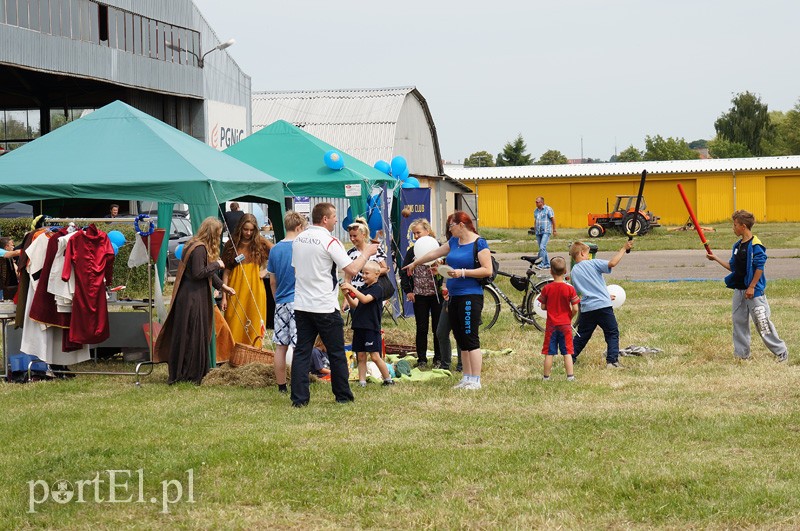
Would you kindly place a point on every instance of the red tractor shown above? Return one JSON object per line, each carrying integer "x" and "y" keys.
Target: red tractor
{"x": 623, "y": 218}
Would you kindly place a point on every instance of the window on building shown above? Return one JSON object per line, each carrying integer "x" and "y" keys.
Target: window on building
{"x": 22, "y": 13}
{"x": 33, "y": 15}
{"x": 55, "y": 17}
{"x": 11, "y": 13}
{"x": 66, "y": 21}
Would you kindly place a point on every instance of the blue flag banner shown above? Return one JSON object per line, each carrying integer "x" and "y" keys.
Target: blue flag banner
{"x": 418, "y": 202}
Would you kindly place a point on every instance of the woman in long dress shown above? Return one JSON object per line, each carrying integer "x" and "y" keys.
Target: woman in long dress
{"x": 185, "y": 338}
{"x": 246, "y": 313}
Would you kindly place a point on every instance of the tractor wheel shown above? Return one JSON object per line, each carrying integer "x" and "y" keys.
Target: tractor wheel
{"x": 595, "y": 231}
{"x": 635, "y": 224}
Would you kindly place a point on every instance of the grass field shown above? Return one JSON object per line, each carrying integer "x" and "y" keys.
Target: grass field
{"x": 688, "y": 438}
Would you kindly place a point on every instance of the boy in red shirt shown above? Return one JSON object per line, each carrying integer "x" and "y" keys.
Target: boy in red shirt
{"x": 560, "y": 301}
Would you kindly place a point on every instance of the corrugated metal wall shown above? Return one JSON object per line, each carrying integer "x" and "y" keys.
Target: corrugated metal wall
{"x": 510, "y": 203}
{"x": 414, "y": 140}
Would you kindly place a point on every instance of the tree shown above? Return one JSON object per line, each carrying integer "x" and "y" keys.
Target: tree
{"x": 786, "y": 140}
{"x": 698, "y": 144}
{"x": 719, "y": 148}
{"x": 629, "y": 154}
{"x": 747, "y": 122}
{"x": 514, "y": 154}
{"x": 552, "y": 156}
{"x": 657, "y": 148}
{"x": 479, "y": 159}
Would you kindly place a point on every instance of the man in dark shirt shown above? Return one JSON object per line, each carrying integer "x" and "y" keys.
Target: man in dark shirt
{"x": 232, "y": 217}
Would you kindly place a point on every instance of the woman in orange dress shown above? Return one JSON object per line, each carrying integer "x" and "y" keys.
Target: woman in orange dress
{"x": 246, "y": 313}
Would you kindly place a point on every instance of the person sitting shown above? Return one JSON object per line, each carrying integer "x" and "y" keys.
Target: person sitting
{"x": 320, "y": 364}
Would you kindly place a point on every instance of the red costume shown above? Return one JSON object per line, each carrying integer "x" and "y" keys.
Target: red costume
{"x": 92, "y": 256}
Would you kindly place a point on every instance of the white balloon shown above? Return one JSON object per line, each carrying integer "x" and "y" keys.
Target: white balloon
{"x": 618, "y": 295}
{"x": 423, "y": 246}
{"x": 537, "y": 309}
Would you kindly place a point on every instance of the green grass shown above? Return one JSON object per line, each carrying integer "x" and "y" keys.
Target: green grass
{"x": 774, "y": 235}
{"x": 688, "y": 438}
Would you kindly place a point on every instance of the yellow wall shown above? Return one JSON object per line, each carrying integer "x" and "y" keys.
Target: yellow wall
{"x": 782, "y": 192}
{"x": 773, "y": 197}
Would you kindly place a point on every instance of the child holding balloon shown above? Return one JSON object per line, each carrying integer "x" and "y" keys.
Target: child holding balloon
{"x": 587, "y": 277}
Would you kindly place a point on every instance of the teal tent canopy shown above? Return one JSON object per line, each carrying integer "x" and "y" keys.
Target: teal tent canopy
{"x": 296, "y": 158}
{"x": 122, "y": 153}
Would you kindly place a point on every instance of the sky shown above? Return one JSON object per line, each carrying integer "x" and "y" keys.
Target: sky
{"x": 585, "y": 77}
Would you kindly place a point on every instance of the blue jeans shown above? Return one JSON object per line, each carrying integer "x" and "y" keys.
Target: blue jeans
{"x": 542, "y": 240}
{"x": 607, "y": 321}
{"x": 330, "y": 328}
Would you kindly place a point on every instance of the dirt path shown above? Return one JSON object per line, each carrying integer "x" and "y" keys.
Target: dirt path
{"x": 672, "y": 265}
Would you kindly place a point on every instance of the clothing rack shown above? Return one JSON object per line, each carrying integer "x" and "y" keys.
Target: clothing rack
{"x": 139, "y": 366}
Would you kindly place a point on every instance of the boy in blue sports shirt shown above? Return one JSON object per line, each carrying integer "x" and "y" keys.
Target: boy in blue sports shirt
{"x": 587, "y": 277}
{"x": 366, "y": 306}
{"x": 748, "y": 282}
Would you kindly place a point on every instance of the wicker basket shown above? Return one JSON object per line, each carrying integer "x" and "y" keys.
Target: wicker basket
{"x": 244, "y": 354}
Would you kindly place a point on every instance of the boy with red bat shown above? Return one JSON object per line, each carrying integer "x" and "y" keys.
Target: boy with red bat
{"x": 748, "y": 282}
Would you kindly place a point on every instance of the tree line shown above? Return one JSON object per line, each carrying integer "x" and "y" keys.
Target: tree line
{"x": 747, "y": 129}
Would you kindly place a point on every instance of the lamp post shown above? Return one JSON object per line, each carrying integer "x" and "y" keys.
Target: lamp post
{"x": 201, "y": 58}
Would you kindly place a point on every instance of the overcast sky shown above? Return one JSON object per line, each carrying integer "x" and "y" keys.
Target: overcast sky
{"x": 605, "y": 71}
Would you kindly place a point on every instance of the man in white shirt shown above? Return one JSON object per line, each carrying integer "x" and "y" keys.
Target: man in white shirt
{"x": 316, "y": 257}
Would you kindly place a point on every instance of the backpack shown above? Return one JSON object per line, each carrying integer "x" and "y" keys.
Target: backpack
{"x": 495, "y": 266}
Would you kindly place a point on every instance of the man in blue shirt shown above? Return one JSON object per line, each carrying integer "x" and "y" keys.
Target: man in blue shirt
{"x": 544, "y": 225}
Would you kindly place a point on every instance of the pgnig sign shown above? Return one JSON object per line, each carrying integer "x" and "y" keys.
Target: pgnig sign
{"x": 111, "y": 486}
{"x": 224, "y": 137}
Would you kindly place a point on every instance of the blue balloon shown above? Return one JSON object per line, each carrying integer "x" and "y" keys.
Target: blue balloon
{"x": 115, "y": 247}
{"x": 334, "y": 160}
{"x": 348, "y": 219}
{"x": 179, "y": 251}
{"x": 117, "y": 237}
{"x": 383, "y": 166}
{"x": 411, "y": 182}
{"x": 404, "y": 176}
{"x": 399, "y": 165}
{"x": 375, "y": 221}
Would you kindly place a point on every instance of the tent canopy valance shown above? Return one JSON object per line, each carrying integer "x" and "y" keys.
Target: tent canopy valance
{"x": 295, "y": 157}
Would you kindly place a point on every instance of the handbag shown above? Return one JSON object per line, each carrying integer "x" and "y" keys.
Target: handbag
{"x": 386, "y": 286}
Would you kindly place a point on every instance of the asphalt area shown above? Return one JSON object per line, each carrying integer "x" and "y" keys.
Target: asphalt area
{"x": 670, "y": 265}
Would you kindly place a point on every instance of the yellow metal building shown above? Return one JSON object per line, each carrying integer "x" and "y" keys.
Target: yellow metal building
{"x": 767, "y": 186}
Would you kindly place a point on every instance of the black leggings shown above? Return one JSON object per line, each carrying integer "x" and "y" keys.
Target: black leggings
{"x": 427, "y": 308}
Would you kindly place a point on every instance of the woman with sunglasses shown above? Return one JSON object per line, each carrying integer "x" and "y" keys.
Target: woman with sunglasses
{"x": 466, "y": 293}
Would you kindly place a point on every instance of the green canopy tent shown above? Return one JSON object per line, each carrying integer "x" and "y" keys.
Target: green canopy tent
{"x": 122, "y": 153}
{"x": 296, "y": 158}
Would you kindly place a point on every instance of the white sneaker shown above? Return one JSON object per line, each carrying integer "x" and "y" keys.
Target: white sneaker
{"x": 461, "y": 384}
{"x": 472, "y": 386}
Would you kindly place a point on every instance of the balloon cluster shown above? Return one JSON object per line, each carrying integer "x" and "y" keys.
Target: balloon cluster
{"x": 398, "y": 168}
{"x": 374, "y": 217}
{"x": 334, "y": 160}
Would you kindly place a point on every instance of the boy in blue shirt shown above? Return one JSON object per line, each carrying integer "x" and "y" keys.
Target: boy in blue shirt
{"x": 748, "y": 282}
{"x": 587, "y": 277}
{"x": 366, "y": 306}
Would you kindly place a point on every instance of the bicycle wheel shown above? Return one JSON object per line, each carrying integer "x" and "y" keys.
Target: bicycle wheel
{"x": 491, "y": 308}
{"x": 539, "y": 321}
{"x": 536, "y": 320}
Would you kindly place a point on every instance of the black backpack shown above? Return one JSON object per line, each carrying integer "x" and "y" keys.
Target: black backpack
{"x": 495, "y": 265}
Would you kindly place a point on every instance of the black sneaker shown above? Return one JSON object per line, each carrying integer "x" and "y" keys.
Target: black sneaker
{"x": 782, "y": 358}
{"x": 299, "y": 404}
{"x": 388, "y": 382}
{"x": 615, "y": 365}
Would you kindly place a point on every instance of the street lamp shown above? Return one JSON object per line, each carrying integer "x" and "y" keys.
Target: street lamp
{"x": 201, "y": 58}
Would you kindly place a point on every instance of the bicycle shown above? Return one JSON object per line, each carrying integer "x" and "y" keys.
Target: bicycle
{"x": 530, "y": 285}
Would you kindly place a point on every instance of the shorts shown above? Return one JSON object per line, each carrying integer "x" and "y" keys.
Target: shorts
{"x": 365, "y": 340}
{"x": 465, "y": 320}
{"x": 555, "y": 337}
{"x": 285, "y": 332}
